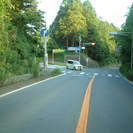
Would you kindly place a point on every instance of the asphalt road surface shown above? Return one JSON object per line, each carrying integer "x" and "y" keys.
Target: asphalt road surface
{"x": 54, "y": 106}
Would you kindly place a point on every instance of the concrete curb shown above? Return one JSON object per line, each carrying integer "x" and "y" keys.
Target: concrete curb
{"x": 19, "y": 89}
{"x": 130, "y": 82}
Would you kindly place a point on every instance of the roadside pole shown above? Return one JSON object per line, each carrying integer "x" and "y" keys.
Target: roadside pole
{"x": 44, "y": 40}
{"x": 45, "y": 53}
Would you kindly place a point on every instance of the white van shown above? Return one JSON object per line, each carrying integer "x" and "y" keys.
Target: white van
{"x": 75, "y": 65}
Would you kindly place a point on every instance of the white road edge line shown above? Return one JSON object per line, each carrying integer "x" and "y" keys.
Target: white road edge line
{"x": 117, "y": 76}
{"x": 96, "y": 74}
{"x": 109, "y": 75}
{"x": 82, "y": 73}
{"x": 3, "y": 95}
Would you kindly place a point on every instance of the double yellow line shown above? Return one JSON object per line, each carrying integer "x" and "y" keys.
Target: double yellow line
{"x": 83, "y": 120}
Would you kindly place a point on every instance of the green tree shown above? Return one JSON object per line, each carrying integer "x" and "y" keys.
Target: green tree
{"x": 69, "y": 23}
{"x": 98, "y": 32}
{"x": 126, "y": 43}
{"x": 20, "y": 24}
{"x": 76, "y": 19}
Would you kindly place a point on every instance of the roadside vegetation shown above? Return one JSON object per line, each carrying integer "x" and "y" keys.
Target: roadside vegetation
{"x": 20, "y": 24}
{"x": 17, "y": 82}
{"x": 76, "y": 19}
{"x": 125, "y": 44}
{"x": 21, "y": 49}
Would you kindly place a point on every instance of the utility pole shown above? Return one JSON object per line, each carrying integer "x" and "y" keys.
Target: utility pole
{"x": 44, "y": 39}
{"x": 79, "y": 46}
{"x": 45, "y": 53}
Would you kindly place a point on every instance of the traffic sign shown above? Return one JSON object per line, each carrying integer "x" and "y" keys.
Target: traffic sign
{"x": 44, "y": 32}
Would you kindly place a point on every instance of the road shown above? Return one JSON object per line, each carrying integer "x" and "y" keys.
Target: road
{"x": 54, "y": 106}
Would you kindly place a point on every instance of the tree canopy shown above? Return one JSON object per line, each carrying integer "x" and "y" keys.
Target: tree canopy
{"x": 76, "y": 19}
{"x": 125, "y": 43}
{"x": 20, "y": 22}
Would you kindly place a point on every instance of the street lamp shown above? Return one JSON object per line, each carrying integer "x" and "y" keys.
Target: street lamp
{"x": 126, "y": 34}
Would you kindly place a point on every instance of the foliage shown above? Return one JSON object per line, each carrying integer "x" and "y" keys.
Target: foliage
{"x": 20, "y": 23}
{"x": 69, "y": 23}
{"x": 35, "y": 69}
{"x": 3, "y": 75}
{"x": 56, "y": 71}
{"x": 76, "y": 19}
{"x": 125, "y": 43}
{"x": 125, "y": 69}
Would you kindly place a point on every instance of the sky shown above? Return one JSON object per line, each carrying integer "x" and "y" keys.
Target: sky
{"x": 113, "y": 11}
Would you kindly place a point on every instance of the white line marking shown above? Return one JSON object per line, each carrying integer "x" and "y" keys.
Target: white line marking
{"x": 96, "y": 74}
{"x": 69, "y": 72}
{"x": 30, "y": 85}
{"x": 87, "y": 74}
{"x": 109, "y": 75}
{"x": 82, "y": 73}
{"x": 117, "y": 76}
{"x": 76, "y": 75}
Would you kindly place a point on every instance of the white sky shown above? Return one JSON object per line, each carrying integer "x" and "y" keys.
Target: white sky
{"x": 113, "y": 11}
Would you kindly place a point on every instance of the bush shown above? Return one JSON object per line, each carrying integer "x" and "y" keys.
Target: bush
{"x": 35, "y": 69}
{"x": 127, "y": 71}
{"x": 130, "y": 74}
{"x": 56, "y": 71}
{"x": 3, "y": 76}
{"x": 110, "y": 60}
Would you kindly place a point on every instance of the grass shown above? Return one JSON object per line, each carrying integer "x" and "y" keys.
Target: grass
{"x": 55, "y": 72}
{"x": 22, "y": 83}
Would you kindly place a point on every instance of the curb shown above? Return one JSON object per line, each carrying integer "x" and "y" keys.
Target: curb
{"x": 22, "y": 88}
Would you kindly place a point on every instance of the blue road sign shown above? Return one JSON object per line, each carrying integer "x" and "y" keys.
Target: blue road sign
{"x": 44, "y": 32}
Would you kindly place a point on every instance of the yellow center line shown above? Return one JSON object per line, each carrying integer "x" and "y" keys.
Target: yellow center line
{"x": 83, "y": 119}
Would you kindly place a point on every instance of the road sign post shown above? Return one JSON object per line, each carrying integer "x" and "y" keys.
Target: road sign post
{"x": 45, "y": 54}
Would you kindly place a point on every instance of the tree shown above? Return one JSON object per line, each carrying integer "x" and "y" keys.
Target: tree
{"x": 76, "y": 19}
{"x": 73, "y": 23}
{"x": 69, "y": 23}
{"x": 98, "y": 32}
{"x": 126, "y": 44}
{"x": 20, "y": 23}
